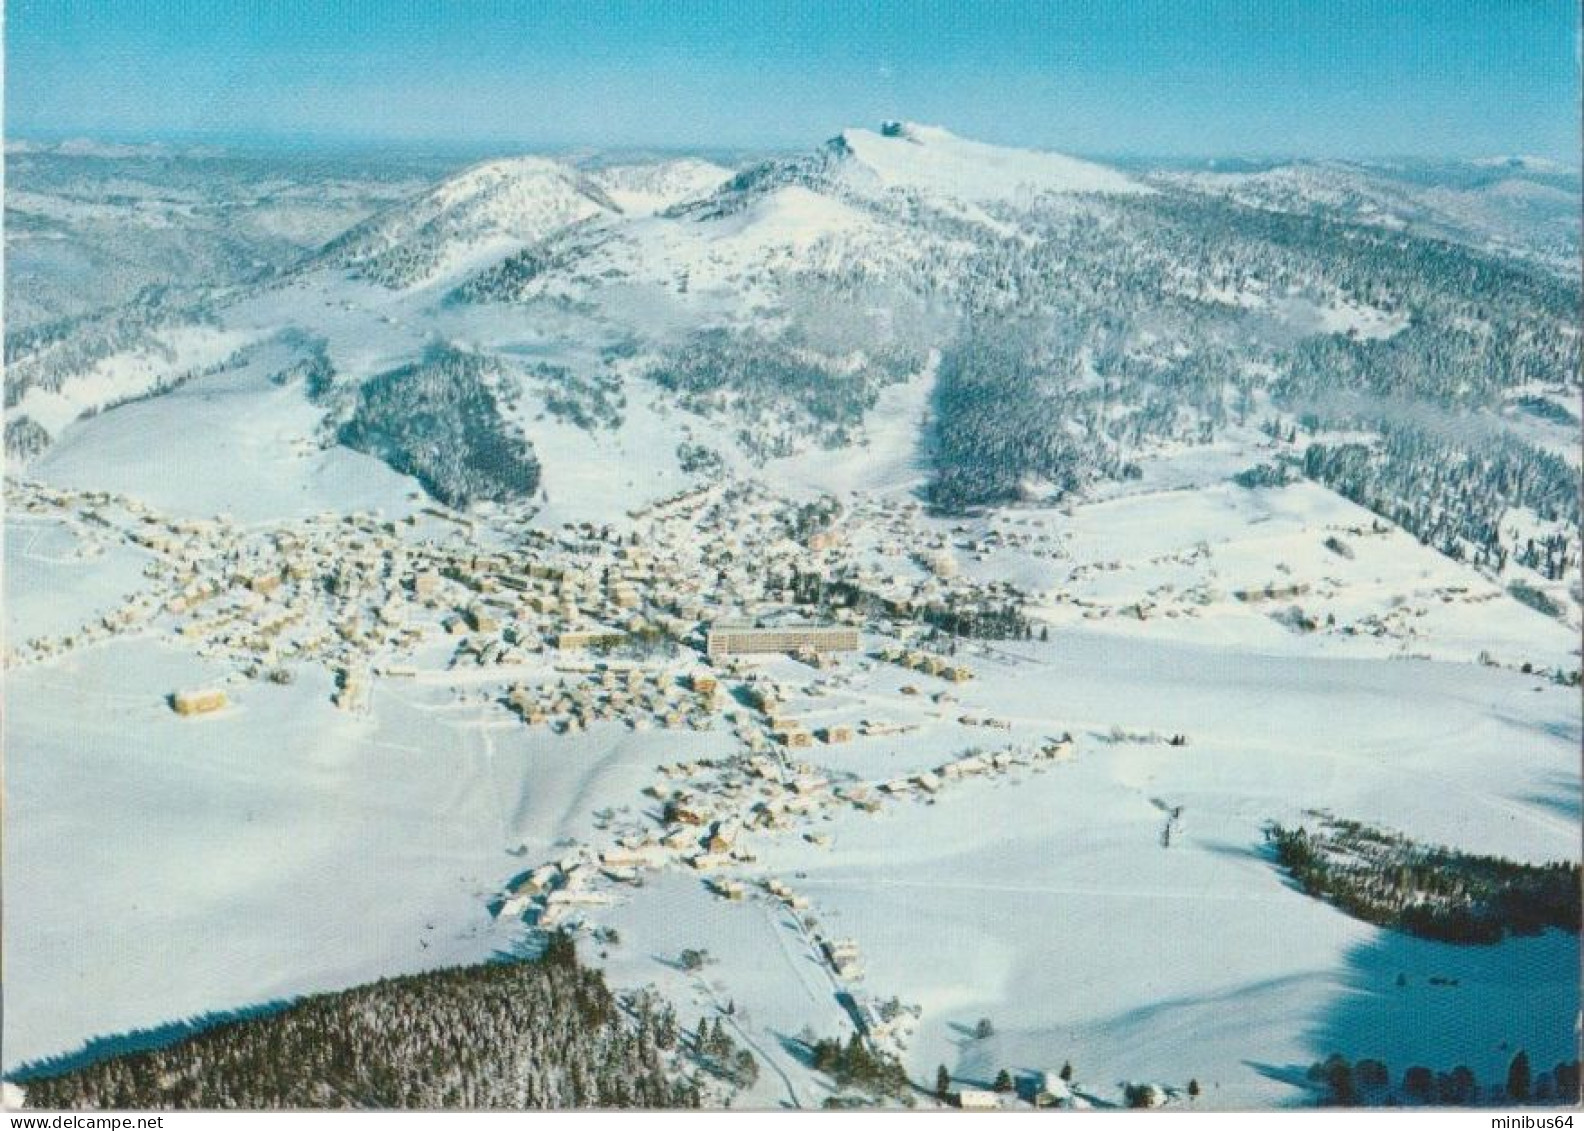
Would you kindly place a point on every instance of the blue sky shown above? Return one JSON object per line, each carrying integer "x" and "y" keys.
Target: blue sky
{"x": 1185, "y": 77}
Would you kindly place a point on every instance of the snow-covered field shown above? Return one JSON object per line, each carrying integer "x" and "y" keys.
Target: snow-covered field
{"x": 1046, "y": 902}
{"x": 231, "y": 443}
{"x": 279, "y": 847}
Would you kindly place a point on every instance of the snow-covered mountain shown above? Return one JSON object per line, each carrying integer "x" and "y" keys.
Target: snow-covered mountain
{"x": 930, "y": 161}
{"x": 1077, "y": 315}
{"x": 488, "y": 209}
{"x": 855, "y": 199}
{"x": 471, "y": 220}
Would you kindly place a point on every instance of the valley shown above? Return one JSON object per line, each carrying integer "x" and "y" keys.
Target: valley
{"x": 889, "y": 589}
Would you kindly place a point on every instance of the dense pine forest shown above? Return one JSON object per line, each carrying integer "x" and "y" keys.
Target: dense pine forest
{"x": 1431, "y": 892}
{"x": 517, "y": 1035}
{"x": 443, "y": 421}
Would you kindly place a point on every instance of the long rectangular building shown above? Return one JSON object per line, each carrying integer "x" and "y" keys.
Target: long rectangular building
{"x": 793, "y": 638}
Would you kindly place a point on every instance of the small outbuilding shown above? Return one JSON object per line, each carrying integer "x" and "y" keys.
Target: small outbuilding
{"x": 201, "y": 701}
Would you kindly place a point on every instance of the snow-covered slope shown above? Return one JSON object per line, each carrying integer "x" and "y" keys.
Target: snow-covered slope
{"x": 500, "y": 205}
{"x": 1519, "y": 207}
{"x": 881, "y": 205}
{"x": 644, "y": 189}
{"x": 932, "y": 161}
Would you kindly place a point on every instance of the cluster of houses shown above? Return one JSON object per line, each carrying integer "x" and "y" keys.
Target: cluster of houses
{"x": 711, "y": 570}
{"x": 1027, "y": 533}
{"x": 708, "y": 814}
{"x": 667, "y": 622}
{"x": 336, "y": 590}
{"x": 92, "y": 516}
{"x": 1047, "y": 1089}
{"x": 928, "y": 664}
{"x": 777, "y": 725}
{"x": 552, "y": 892}
{"x": 664, "y": 622}
{"x": 1271, "y": 592}
{"x": 976, "y": 763}
{"x": 617, "y": 691}
{"x": 1165, "y": 599}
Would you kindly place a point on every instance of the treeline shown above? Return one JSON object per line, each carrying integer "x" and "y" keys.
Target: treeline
{"x": 1015, "y": 419}
{"x": 407, "y": 244}
{"x": 997, "y": 427}
{"x": 1478, "y": 322}
{"x": 978, "y": 620}
{"x": 721, "y": 1056}
{"x": 1430, "y": 892}
{"x": 48, "y": 354}
{"x": 1455, "y": 497}
{"x": 314, "y": 368}
{"x": 1369, "y": 1082}
{"x": 546, "y": 1034}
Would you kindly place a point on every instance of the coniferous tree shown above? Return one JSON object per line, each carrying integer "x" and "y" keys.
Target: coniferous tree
{"x": 1566, "y": 1076}
{"x": 1419, "y": 1083}
{"x": 1518, "y": 1078}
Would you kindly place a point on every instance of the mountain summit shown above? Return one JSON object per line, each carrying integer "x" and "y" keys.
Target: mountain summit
{"x": 928, "y": 159}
